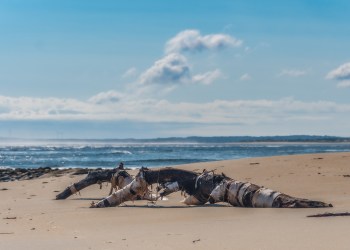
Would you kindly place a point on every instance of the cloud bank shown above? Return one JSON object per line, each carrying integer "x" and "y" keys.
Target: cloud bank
{"x": 108, "y": 106}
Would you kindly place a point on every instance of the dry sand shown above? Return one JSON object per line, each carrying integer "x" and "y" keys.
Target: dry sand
{"x": 30, "y": 218}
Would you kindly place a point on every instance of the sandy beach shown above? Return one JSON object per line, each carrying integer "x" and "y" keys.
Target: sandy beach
{"x": 32, "y": 219}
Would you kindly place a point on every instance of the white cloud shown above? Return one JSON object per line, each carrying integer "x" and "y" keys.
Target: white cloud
{"x": 245, "y": 77}
{"x": 207, "y": 77}
{"x": 28, "y": 108}
{"x": 292, "y": 73}
{"x": 193, "y": 41}
{"x": 172, "y": 68}
{"x": 130, "y": 72}
{"x": 341, "y": 73}
{"x": 151, "y": 110}
{"x": 106, "y": 97}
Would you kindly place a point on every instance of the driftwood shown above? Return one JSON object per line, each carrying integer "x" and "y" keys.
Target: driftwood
{"x": 118, "y": 178}
{"x": 330, "y": 214}
{"x": 245, "y": 194}
{"x": 203, "y": 187}
{"x": 171, "y": 180}
{"x": 198, "y": 189}
{"x": 197, "y": 186}
{"x": 137, "y": 188}
{"x": 94, "y": 177}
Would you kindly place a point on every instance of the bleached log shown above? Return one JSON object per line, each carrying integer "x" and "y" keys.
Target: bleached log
{"x": 171, "y": 179}
{"x": 191, "y": 201}
{"x": 168, "y": 188}
{"x": 120, "y": 180}
{"x": 264, "y": 197}
{"x": 117, "y": 177}
{"x": 245, "y": 194}
{"x": 138, "y": 187}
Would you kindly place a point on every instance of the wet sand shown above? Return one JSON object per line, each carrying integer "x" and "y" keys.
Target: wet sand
{"x": 30, "y": 218}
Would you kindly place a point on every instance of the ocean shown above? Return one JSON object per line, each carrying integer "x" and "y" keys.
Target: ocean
{"x": 108, "y": 155}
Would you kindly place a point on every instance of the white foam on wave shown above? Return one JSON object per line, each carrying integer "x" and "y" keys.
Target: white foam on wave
{"x": 126, "y": 152}
{"x": 7, "y": 167}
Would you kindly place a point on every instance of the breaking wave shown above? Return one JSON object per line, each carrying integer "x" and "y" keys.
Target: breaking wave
{"x": 105, "y": 155}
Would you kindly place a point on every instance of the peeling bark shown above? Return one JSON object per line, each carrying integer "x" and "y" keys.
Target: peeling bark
{"x": 137, "y": 188}
{"x": 203, "y": 187}
{"x": 117, "y": 177}
{"x": 120, "y": 180}
{"x": 245, "y": 194}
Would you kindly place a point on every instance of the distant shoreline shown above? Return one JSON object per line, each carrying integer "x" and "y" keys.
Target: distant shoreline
{"x": 194, "y": 140}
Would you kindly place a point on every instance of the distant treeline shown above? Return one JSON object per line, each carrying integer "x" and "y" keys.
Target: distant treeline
{"x": 236, "y": 139}
{"x": 199, "y": 139}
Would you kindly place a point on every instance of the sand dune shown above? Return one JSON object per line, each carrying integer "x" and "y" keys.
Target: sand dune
{"x": 32, "y": 219}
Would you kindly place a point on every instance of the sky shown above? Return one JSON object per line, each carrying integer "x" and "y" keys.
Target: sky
{"x": 145, "y": 69}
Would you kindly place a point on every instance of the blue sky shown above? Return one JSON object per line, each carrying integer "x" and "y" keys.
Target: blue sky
{"x": 117, "y": 69}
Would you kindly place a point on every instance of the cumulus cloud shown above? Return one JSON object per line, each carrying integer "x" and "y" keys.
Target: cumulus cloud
{"x": 245, "y": 77}
{"x": 292, "y": 73}
{"x": 172, "y": 68}
{"x": 207, "y": 77}
{"x": 193, "y": 41}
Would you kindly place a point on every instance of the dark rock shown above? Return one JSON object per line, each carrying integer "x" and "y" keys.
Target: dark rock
{"x": 5, "y": 178}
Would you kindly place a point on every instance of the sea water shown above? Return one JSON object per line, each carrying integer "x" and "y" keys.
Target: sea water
{"x": 108, "y": 155}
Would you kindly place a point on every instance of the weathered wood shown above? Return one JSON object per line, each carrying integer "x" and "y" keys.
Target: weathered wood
{"x": 203, "y": 187}
{"x": 197, "y": 186}
{"x": 330, "y": 214}
{"x": 164, "y": 175}
{"x": 120, "y": 180}
{"x": 137, "y": 188}
{"x": 94, "y": 177}
{"x": 286, "y": 201}
{"x": 245, "y": 194}
{"x": 10, "y": 218}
